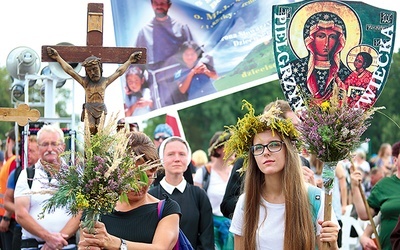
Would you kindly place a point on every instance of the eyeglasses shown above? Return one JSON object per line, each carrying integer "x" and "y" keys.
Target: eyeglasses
{"x": 157, "y": 138}
{"x": 52, "y": 144}
{"x": 273, "y": 146}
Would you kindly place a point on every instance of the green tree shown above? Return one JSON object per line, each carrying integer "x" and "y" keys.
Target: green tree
{"x": 62, "y": 96}
{"x": 5, "y": 100}
{"x": 383, "y": 126}
{"x": 151, "y": 125}
{"x": 201, "y": 121}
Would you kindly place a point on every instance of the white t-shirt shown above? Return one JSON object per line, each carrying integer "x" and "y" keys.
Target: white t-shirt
{"x": 215, "y": 191}
{"x": 271, "y": 229}
{"x": 52, "y": 222}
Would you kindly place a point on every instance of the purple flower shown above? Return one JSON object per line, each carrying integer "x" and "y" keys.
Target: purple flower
{"x": 332, "y": 132}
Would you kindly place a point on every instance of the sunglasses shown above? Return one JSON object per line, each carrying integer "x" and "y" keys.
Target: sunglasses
{"x": 157, "y": 138}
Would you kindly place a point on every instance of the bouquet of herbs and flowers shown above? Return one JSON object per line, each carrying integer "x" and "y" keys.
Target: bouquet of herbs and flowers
{"x": 331, "y": 129}
{"x": 99, "y": 178}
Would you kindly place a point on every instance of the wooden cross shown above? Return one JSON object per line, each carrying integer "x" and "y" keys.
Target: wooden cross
{"x": 96, "y": 85}
{"x": 22, "y": 114}
{"x": 94, "y": 42}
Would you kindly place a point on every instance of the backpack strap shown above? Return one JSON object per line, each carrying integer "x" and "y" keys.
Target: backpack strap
{"x": 160, "y": 208}
{"x": 182, "y": 242}
{"x": 30, "y": 171}
{"x": 314, "y": 195}
{"x": 206, "y": 176}
{"x": 17, "y": 173}
{"x": 30, "y": 174}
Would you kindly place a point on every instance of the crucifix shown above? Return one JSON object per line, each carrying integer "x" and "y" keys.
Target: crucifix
{"x": 93, "y": 55}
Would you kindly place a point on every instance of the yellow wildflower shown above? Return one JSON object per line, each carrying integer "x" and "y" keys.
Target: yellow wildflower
{"x": 81, "y": 201}
{"x": 325, "y": 105}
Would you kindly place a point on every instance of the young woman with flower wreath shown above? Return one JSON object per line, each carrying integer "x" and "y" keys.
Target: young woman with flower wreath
{"x": 135, "y": 224}
{"x": 275, "y": 211}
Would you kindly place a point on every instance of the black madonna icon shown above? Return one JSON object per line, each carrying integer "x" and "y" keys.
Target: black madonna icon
{"x": 317, "y": 45}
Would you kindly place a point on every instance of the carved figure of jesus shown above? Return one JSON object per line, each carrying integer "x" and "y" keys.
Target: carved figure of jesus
{"x": 94, "y": 83}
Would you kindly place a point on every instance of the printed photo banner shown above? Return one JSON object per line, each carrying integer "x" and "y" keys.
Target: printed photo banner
{"x": 318, "y": 44}
{"x": 205, "y": 49}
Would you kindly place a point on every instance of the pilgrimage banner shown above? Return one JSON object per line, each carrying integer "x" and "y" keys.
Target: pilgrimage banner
{"x": 319, "y": 44}
{"x": 197, "y": 50}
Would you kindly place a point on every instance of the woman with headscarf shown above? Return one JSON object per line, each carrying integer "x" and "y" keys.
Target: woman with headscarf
{"x": 196, "y": 220}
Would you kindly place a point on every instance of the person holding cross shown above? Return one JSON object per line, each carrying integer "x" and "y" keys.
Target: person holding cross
{"x": 93, "y": 83}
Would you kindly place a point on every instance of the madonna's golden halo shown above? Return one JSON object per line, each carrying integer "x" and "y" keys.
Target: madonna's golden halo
{"x": 345, "y": 12}
{"x": 351, "y": 56}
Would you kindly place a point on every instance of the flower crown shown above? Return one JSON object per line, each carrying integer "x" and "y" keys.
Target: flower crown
{"x": 246, "y": 128}
{"x": 219, "y": 141}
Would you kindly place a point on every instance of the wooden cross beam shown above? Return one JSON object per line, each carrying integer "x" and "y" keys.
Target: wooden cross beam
{"x": 94, "y": 42}
{"x": 93, "y": 55}
{"x": 22, "y": 114}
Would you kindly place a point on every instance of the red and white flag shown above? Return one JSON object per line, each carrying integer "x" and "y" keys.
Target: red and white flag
{"x": 173, "y": 120}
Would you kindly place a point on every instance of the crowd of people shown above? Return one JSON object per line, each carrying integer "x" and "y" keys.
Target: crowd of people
{"x": 253, "y": 189}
